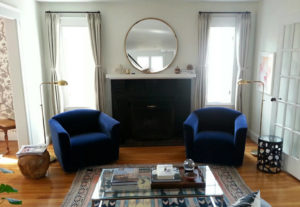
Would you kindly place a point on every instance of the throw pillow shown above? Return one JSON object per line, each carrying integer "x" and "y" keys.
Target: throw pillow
{"x": 250, "y": 200}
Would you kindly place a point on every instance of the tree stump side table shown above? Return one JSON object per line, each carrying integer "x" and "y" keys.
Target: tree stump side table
{"x": 269, "y": 153}
{"x": 34, "y": 166}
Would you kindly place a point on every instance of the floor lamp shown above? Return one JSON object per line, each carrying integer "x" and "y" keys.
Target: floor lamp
{"x": 58, "y": 83}
{"x": 245, "y": 82}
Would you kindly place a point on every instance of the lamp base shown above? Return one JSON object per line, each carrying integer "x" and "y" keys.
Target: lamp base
{"x": 52, "y": 158}
{"x": 254, "y": 152}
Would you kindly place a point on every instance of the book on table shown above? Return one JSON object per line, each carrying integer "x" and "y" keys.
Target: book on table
{"x": 165, "y": 173}
{"x": 129, "y": 180}
{"x": 125, "y": 176}
{"x": 31, "y": 150}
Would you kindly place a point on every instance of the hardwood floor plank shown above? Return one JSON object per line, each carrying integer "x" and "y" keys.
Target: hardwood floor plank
{"x": 280, "y": 190}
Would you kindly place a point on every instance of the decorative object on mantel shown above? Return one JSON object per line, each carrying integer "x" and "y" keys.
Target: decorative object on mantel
{"x": 151, "y": 45}
{"x": 122, "y": 70}
{"x": 189, "y": 67}
{"x": 245, "y": 82}
{"x": 177, "y": 70}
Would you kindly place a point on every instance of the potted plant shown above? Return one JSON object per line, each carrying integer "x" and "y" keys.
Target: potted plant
{"x": 8, "y": 189}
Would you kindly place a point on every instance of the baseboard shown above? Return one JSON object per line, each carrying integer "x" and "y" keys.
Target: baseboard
{"x": 253, "y": 136}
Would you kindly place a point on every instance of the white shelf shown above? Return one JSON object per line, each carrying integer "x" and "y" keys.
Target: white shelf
{"x": 150, "y": 76}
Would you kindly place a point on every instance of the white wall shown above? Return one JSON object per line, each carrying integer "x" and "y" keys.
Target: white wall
{"x": 272, "y": 16}
{"x": 29, "y": 124}
{"x": 118, "y": 17}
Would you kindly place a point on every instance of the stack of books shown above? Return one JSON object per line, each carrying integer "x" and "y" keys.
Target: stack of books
{"x": 125, "y": 179}
{"x": 166, "y": 173}
{"x": 31, "y": 150}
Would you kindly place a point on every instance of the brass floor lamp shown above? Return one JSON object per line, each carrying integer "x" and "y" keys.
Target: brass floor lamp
{"x": 58, "y": 83}
{"x": 245, "y": 82}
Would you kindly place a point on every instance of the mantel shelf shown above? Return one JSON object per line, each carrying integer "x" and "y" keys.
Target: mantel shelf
{"x": 151, "y": 76}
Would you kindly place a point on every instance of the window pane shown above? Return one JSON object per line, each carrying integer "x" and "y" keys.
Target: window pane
{"x": 156, "y": 63}
{"x": 77, "y": 67}
{"x": 220, "y": 64}
{"x": 143, "y": 61}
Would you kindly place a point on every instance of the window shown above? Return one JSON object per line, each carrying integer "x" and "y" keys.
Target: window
{"x": 153, "y": 62}
{"x": 143, "y": 61}
{"x": 156, "y": 63}
{"x": 221, "y": 62}
{"x": 76, "y": 63}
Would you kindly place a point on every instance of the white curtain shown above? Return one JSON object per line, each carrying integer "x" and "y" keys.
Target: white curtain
{"x": 242, "y": 49}
{"x": 200, "y": 82}
{"x": 52, "y": 24}
{"x": 94, "y": 21}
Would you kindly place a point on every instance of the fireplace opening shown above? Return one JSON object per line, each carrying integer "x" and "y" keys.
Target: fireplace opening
{"x": 151, "y": 112}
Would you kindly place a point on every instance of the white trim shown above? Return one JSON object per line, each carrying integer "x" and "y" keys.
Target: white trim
{"x": 111, "y": 1}
{"x": 9, "y": 12}
{"x": 150, "y": 76}
{"x": 287, "y": 128}
{"x": 23, "y": 128}
{"x": 290, "y": 77}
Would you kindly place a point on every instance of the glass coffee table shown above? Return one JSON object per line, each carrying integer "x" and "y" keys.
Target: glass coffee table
{"x": 105, "y": 191}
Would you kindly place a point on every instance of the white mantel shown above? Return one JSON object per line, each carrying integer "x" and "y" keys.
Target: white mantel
{"x": 151, "y": 76}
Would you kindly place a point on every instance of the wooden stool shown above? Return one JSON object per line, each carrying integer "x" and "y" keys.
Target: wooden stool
{"x": 5, "y": 125}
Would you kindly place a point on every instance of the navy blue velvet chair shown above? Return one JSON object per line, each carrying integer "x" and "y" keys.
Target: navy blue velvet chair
{"x": 215, "y": 135}
{"x": 84, "y": 137}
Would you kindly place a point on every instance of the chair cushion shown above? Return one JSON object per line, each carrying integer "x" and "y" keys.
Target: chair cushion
{"x": 214, "y": 137}
{"x": 91, "y": 149}
{"x": 213, "y": 147}
{"x": 89, "y": 140}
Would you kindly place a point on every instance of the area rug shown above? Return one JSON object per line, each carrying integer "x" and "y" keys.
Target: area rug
{"x": 85, "y": 180}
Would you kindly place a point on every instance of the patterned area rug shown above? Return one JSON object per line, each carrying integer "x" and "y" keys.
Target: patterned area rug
{"x": 85, "y": 180}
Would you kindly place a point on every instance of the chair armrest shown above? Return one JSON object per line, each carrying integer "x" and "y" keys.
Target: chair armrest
{"x": 190, "y": 129}
{"x": 110, "y": 126}
{"x": 60, "y": 140}
{"x": 240, "y": 130}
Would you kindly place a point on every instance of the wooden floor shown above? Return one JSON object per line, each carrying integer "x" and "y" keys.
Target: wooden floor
{"x": 280, "y": 190}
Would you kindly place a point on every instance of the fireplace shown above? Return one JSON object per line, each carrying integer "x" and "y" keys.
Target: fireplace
{"x": 151, "y": 111}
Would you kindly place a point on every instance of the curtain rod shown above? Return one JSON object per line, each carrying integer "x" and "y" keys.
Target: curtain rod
{"x": 224, "y": 12}
{"x": 67, "y": 12}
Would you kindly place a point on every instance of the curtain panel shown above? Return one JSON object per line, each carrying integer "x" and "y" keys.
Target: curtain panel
{"x": 242, "y": 49}
{"x": 94, "y": 22}
{"x": 200, "y": 82}
{"x": 52, "y": 24}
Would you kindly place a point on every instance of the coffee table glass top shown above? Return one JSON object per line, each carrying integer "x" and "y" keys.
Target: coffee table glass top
{"x": 105, "y": 191}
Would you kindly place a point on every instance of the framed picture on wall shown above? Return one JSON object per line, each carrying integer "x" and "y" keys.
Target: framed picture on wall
{"x": 265, "y": 70}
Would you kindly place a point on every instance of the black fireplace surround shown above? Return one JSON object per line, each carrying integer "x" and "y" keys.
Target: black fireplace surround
{"x": 151, "y": 111}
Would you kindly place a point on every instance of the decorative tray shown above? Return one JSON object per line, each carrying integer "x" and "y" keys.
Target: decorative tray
{"x": 195, "y": 181}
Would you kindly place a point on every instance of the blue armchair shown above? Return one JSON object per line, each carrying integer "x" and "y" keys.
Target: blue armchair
{"x": 84, "y": 137}
{"x": 215, "y": 135}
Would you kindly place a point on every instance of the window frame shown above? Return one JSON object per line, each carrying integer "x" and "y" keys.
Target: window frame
{"x": 71, "y": 20}
{"x": 216, "y": 21}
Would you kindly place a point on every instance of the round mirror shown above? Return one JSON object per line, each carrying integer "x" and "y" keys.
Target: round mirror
{"x": 151, "y": 45}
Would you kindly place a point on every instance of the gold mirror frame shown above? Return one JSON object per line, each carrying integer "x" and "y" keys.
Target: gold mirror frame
{"x": 153, "y": 18}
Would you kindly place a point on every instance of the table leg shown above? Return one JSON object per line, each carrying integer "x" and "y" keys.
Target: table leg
{"x": 6, "y": 140}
